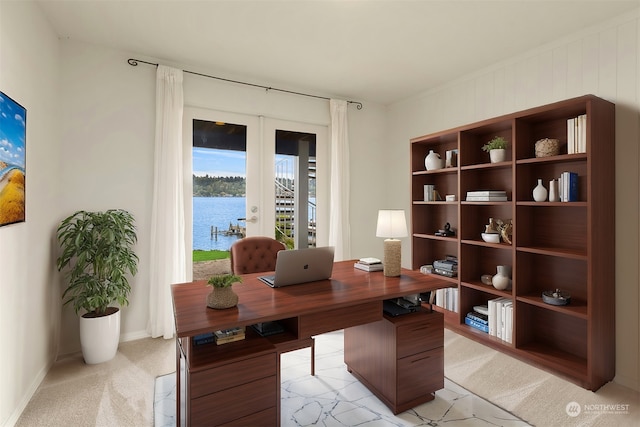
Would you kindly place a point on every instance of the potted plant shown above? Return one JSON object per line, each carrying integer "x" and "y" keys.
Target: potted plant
{"x": 97, "y": 250}
{"x": 497, "y": 149}
{"x": 222, "y": 295}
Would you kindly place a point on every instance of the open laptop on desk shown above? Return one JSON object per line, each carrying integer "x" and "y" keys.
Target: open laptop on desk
{"x": 301, "y": 266}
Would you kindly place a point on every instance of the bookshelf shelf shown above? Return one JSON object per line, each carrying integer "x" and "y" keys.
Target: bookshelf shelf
{"x": 555, "y": 245}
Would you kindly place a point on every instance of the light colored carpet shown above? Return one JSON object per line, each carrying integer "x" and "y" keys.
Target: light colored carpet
{"x": 535, "y": 395}
{"x": 120, "y": 392}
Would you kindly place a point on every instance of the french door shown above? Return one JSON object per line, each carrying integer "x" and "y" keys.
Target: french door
{"x": 248, "y": 176}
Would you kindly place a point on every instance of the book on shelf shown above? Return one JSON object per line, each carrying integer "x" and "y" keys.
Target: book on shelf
{"x": 447, "y": 298}
{"x": 476, "y": 325}
{"x": 577, "y": 134}
{"x": 501, "y": 318}
{"x": 487, "y": 193}
{"x": 445, "y": 273}
{"x": 478, "y": 317}
{"x": 229, "y": 335}
{"x": 446, "y": 264}
{"x": 568, "y": 187}
{"x": 369, "y": 261}
{"x": 487, "y": 196}
{"x": 205, "y": 338}
{"x": 369, "y": 267}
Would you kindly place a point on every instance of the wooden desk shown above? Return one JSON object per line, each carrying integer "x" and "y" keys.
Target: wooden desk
{"x": 219, "y": 384}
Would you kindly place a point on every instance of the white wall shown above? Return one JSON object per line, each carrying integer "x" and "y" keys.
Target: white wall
{"x": 603, "y": 61}
{"x": 29, "y": 61}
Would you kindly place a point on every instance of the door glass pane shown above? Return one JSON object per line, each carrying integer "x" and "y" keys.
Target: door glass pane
{"x": 295, "y": 188}
{"x": 219, "y": 187}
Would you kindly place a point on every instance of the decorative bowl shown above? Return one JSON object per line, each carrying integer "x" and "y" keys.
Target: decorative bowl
{"x": 491, "y": 237}
{"x": 487, "y": 279}
{"x": 547, "y": 147}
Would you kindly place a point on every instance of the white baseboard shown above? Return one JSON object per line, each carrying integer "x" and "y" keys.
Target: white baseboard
{"x": 15, "y": 416}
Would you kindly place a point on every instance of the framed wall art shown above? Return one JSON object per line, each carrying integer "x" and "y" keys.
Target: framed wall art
{"x": 13, "y": 135}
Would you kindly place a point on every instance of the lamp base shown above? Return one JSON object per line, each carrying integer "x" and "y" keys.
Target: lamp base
{"x": 392, "y": 263}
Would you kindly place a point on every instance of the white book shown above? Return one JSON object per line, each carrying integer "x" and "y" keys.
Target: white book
{"x": 491, "y": 306}
{"x": 499, "y": 303}
{"x": 505, "y": 320}
{"x": 509, "y": 323}
{"x": 571, "y": 135}
{"x": 582, "y": 134}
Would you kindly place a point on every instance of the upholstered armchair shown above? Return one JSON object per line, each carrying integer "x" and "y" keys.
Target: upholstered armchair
{"x": 254, "y": 254}
{"x": 258, "y": 254}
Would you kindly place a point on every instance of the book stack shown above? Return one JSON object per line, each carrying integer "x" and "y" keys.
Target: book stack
{"x": 577, "y": 135}
{"x": 446, "y": 267}
{"x": 501, "y": 318}
{"x": 229, "y": 335}
{"x": 477, "y": 320}
{"x": 568, "y": 187}
{"x": 487, "y": 196}
{"x": 206, "y": 338}
{"x": 369, "y": 264}
{"x": 447, "y": 298}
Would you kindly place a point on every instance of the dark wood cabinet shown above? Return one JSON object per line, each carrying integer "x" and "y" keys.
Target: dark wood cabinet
{"x": 400, "y": 359}
{"x": 555, "y": 245}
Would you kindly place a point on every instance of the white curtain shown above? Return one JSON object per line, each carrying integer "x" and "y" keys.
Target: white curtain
{"x": 339, "y": 228}
{"x": 168, "y": 260}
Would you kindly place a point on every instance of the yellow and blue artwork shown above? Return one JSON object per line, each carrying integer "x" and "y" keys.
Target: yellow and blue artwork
{"x": 13, "y": 133}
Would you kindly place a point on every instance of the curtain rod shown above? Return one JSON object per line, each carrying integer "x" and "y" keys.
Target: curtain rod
{"x": 134, "y": 62}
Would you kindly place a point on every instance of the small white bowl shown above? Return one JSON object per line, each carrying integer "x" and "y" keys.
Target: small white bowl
{"x": 491, "y": 237}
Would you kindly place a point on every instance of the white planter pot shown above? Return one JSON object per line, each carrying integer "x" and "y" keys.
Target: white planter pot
{"x": 498, "y": 155}
{"x": 99, "y": 337}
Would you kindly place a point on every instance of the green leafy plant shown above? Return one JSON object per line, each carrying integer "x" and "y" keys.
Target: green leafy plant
{"x": 97, "y": 247}
{"x": 496, "y": 143}
{"x": 223, "y": 280}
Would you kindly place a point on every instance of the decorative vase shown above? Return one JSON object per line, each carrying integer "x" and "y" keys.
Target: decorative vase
{"x": 497, "y": 155}
{"x": 539, "y": 193}
{"x": 433, "y": 161}
{"x": 553, "y": 191}
{"x": 99, "y": 336}
{"x": 221, "y": 298}
{"x": 502, "y": 280}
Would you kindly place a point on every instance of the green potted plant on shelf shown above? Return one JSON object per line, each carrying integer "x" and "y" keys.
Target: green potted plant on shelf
{"x": 97, "y": 251}
{"x": 222, "y": 295}
{"x": 497, "y": 149}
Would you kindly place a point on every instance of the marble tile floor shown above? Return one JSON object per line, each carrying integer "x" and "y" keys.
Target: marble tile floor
{"x": 335, "y": 398}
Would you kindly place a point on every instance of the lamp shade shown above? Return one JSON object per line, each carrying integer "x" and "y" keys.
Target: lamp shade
{"x": 391, "y": 224}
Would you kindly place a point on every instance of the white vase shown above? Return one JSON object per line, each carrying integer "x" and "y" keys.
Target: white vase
{"x": 502, "y": 280}
{"x": 498, "y": 155}
{"x": 99, "y": 337}
{"x": 553, "y": 191}
{"x": 433, "y": 161}
{"x": 539, "y": 193}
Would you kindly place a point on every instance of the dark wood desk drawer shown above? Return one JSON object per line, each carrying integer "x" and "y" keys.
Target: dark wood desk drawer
{"x": 231, "y": 404}
{"x": 419, "y": 332}
{"x": 339, "y": 318}
{"x": 232, "y": 374}
{"x": 420, "y": 374}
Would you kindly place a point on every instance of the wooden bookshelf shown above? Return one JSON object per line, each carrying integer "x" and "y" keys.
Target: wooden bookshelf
{"x": 565, "y": 245}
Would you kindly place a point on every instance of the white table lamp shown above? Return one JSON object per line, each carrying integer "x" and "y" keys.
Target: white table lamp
{"x": 392, "y": 224}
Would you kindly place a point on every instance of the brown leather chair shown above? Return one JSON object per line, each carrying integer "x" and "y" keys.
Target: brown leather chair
{"x": 256, "y": 255}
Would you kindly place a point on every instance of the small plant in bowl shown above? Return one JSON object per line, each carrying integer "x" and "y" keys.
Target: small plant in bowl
{"x": 223, "y": 280}
{"x": 496, "y": 149}
{"x": 222, "y": 295}
{"x": 497, "y": 143}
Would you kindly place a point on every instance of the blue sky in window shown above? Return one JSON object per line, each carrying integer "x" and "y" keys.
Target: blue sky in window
{"x": 214, "y": 162}
{"x": 12, "y": 132}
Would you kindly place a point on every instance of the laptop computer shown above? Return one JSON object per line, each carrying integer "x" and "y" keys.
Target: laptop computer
{"x": 301, "y": 266}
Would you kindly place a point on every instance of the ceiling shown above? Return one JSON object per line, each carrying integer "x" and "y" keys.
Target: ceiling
{"x": 365, "y": 50}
